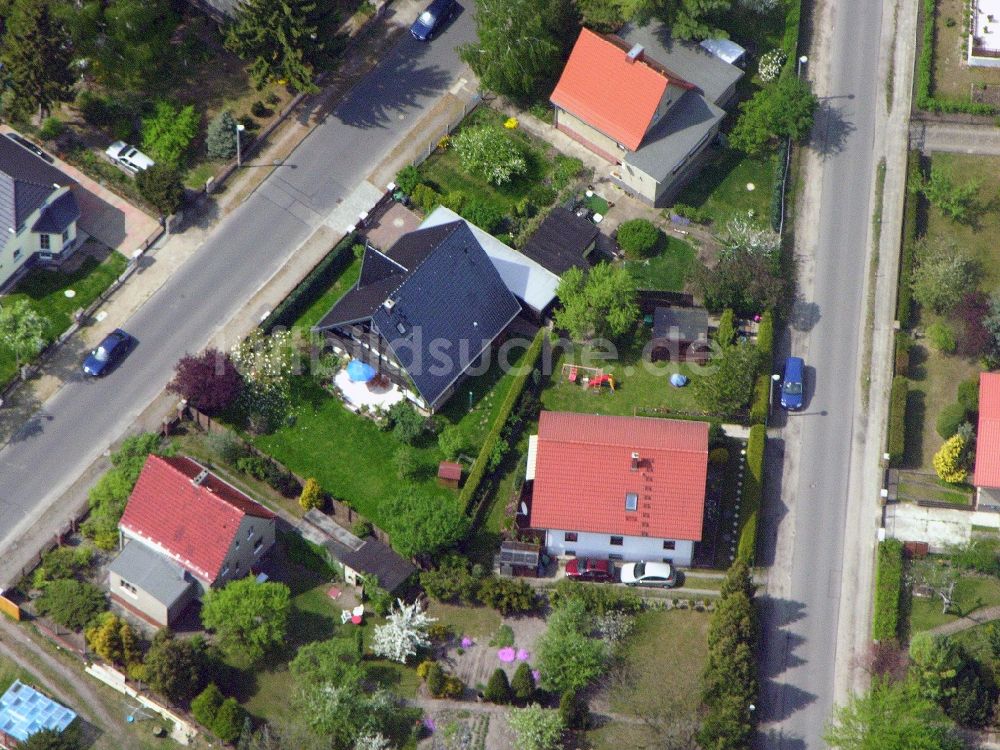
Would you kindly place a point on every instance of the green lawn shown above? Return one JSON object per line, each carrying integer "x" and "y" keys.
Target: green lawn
{"x": 344, "y": 281}
{"x": 45, "y": 290}
{"x": 971, "y": 593}
{"x": 720, "y": 188}
{"x": 478, "y": 622}
{"x": 9, "y": 671}
{"x": 668, "y": 270}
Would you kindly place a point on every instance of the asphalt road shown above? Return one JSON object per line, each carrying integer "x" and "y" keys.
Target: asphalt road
{"x": 246, "y": 248}
{"x": 800, "y": 632}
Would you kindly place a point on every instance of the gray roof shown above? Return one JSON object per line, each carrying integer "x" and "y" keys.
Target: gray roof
{"x": 678, "y": 134}
{"x": 217, "y": 8}
{"x": 691, "y": 323}
{"x": 155, "y": 574}
{"x": 691, "y": 62}
{"x": 26, "y": 181}
{"x": 58, "y": 215}
{"x": 375, "y": 558}
{"x": 562, "y": 241}
{"x": 725, "y": 49}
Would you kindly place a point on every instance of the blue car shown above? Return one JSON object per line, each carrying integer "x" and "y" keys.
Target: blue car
{"x": 108, "y": 353}
{"x": 431, "y": 20}
{"x": 791, "y": 386}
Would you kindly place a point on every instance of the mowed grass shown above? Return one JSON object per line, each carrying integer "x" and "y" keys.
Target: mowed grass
{"x": 45, "y": 292}
{"x": 668, "y": 270}
{"x": 321, "y": 306}
{"x": 720, "y": 188}
{"x": 971, "y": 593}
{"x": 953, "y": 77}
{"x": 477, "y": 622}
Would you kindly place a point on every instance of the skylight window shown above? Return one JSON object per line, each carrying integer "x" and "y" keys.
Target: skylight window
{"x": 631, "y": 501}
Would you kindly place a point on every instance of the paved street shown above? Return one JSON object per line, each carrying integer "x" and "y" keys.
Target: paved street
{"x": 247, "y": 247}
{"x": 957, "y": 138}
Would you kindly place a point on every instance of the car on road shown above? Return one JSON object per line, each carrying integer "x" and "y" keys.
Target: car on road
{"x": 431, "y": 20}
{"x": 792, "y": 384}
{"x": 129, "y": 158}
{"x": 582, "y": 569}
{"x": 659, "y": 574}
{"x": 22, "y": 141}
{"x": 108, "y": 353}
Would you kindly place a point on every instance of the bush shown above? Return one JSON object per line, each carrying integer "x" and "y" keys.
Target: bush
{"x": 407, "y": 179}
{"x": 942, "y": 337}
{"x": 436, "y": 679}
{"x": 753, "y": 487}
{"x": 261, "y": 110}
{"x": 565, "y": 169}
{"x": 778, "y": 190}
{"x": 725, "y": 334}
{"x": 483, "y": 215}
{"x": 498, "y": 688}
{"x": 573, "y": 710}
{"x": 638, "y": 238}
{"x": 62, "y": 562}
{"x": 220, "y": 137}
{"x": 949, "y": 419}
{"x": 362, "y": 529}
{"x": 451, "y": 441}
{"x": 904, "y": 302}
{"x": 229, "y": 720}
{"x": 968, "y": 395}
{"x": 407, "y": 423}
{"x": 507, "y": 595}
{"x": 597, "y": 600}
{"x": 312, "y": 495}
{"x": 425, "y": 198}
{"x": 168, "y": 132}
{"x": 949, "y": 461}
{"x": 162, "y": 187}
{"x": 205, "y": 705}
{"x": 718, "y": 456}
{"x": 765, "y": 339}
{"x": 888, "y": 586}
{"x": 490, "y": 153}
{"x": 760, "y": 405}
{"x": 70, "y": 603}
{"x": 697, "y": 215}
{"x": 451, "y": 581}
{"x": 523, "y": 683}
{"x": 51, "y": 129}
{"x": 903, "y": 345}
{"x": 896, "y": 445}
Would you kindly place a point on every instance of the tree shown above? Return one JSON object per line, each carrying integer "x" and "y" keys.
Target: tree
{"x": 451, "y": 441}
{"x": 891, "y": 716}
{"x": 220, "y": 136}
{"x": 162, "y": 187}
{"x": 167, "y": 133}
{"x": 114, "y": 640}
{"x": 783, "y": 110}
{"x": 405, "y": 461}
{"x": 404, "y": 631}
{"x": 208, "y": 381}
{"x": 407, "y": 423}
{"x": 939, "y": 578}
{"x": 600, "y": 303}
{"x": 249, "y": 617}
{"x": 487, "y": 151}
{"x": 958, "y": 202}
{"x": 749, "y": 284}
{"x": 573, "y": 710}
{"x": 133, "y": 51}
{"x": 949, "y": 462}
{"x": 229, "y": 720}
{"x": 451, "y": 581}
{"x": 516, "y": 53}
{"x": 37, "y": 58}
{"x": 941, "y": 277}
{"x": 727, "y": 386}
{"x": 336, "y": 660}
{"x": 205, "y": 706}
{"x": 975, "y": 340}
{"x": 22, "y": 329}
{"x": 507, "y": 595}
{"x": 424, "y": 524}
{"x": 638, "y": 238}
{"x": 279, "y": 39}
{"x": 934, "y": 664}
{"x": 50, "y": 739}
{"x": 743, "y": 235}
{"x": 536, "y": 728}
{"x": 174, "y": 667}
{"x": 523, "y": 683}
{"x": 312, "y": 495}
{"x": 70, "y": 603}
{"x": 569, "y": 658}
{"x": 498, "y": 688}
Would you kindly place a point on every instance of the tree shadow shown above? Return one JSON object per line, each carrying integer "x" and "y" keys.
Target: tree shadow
{"x": 831, "y": 128}
{"x": 774, "y": 508}
{"x": 804, "y": 315}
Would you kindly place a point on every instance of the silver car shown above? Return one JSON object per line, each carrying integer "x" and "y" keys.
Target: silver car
{"x": 649, "y": 574}
{"x": 129, "y": 158}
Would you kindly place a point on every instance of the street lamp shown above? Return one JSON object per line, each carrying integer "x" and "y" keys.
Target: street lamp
{"x": 802, "y": 61}
{"x": 240, "y": 127}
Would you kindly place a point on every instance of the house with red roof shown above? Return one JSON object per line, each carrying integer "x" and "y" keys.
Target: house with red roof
{"x": 619, "y": 488}
{"x": 646, "y": 103}
{"x": 184, "y": 531}
{"x": 987, "y": 471}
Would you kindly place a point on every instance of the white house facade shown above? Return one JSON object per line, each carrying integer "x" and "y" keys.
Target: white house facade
{"x": 561, "y": 543}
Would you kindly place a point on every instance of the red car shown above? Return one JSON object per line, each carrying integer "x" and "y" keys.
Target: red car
{"x": 580, "y": 569}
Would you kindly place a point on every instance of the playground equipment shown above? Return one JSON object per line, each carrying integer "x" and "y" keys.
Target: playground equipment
{"x": 572, "y": 373}
{"x": 602, "y": 380}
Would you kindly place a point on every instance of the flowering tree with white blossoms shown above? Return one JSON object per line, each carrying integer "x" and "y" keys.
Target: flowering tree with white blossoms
{"x": 375, "y": 741}
{"x": 404, "y": 632}
{"x": 744, "y": 235}
{"x": 769, "y": 67}
{"x": 265, "y": 362}
{"x": 760, "y": 6}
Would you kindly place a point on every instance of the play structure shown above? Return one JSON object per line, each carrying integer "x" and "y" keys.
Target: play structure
{"x": 588, "y": 377}
{"x": 600, "y": 380}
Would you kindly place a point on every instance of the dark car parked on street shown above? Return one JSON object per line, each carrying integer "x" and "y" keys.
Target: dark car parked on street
{"x": 108, "y": 353}
{"x": 431, "y": 20}
{"x": 580, "y": 569}
{"x": 792, "y": 384}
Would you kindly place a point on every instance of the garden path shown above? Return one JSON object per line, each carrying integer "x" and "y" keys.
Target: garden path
{"x": 970, "y": 620}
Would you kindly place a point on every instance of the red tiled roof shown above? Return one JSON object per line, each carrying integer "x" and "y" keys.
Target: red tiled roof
{"x": 194, "y": 524}
{"x": 601, "y": 87}
{"x": 583, "y": 472}
{"x": 450, "y": 470}
{"x": 987, "y": 472}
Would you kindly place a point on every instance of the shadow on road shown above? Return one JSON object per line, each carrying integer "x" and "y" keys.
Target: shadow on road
{"x": 774, "y": 507}
{"x": 830, "y": 133}
{"x": 779, "y": 700}
{"x": 805, "y": 315}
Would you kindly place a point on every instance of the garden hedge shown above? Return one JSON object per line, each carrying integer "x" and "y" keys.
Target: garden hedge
{"x": 478, "y": 470}
{"x": 753, "y": 491}
{"x": 888, "y": 586}
{"x": 904, "y": 301}
{"x": 760, "y": 405}
{"x": 896, "y": 444}
{"x": 778, "y": 189}
{"x": 903, "y": 345}
{"x": 765, "y": 339}
{"x": 312, "y": 286}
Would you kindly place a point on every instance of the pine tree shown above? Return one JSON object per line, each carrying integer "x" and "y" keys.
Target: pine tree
{"x": 523, "y": 683}
{"x": 220, "y": 138}
{"x": 498, "y": 688}
{"x": 279, "y": 38}
{"x": 36, "y": 57}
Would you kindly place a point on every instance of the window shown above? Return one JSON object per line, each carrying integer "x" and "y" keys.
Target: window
{"x": 569, "y": 536}
{"x": 128, "y": 588}
{"x": 236, "y": 569}
{"x": 631, "y": 501}
{"x": 65, "y": 237}
{"x": 571, "y": 553}
{"x": 257, "y": 545}
{"x": 668, "y": 560}
{"x": 250, "y": 534}
{"x": 669, "y": 544}
{"x": 617, "y": 541}
{"x": 225, "y": 572}
{"x": 44, "y": 243}
{"x": 17, "y": 253}
{"x": 614, "y": 556}
{"x": 237, "y": 544}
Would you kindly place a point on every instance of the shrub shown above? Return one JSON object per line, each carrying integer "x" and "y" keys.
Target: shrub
{"x": 718, "y": 456}
{"x": 259, "y": 109}
{"x": 949, "y": 461}
{"x": 760, "y": 406}
{"x": 903, "y": 345}
{"x": 968, "y": 395}
{"x": 490, "y": 153}
{"x": 949, "y": 420}
{"x": 507, "y": 595}
{"x": 483, "y": 215}
{"x": 51, "y": 129}
{"x": 941, "y": 337}
{"x": 974, "y": 339}
{"x": 888, "y": 586}
{"x": 451, "y": 441}
{"x": 753, "y": 487}
{"x": 162, "y": 187}
{"x": 405, "y": 461}
{"x": 765, "y": 338}
{"x": 725, "y": 334}
{"x": 896, "y": 445}
{"x": 453, "y": 687}
{"x": 778, "y": 190}
{"x": 941, "y": 277}
{"x": 425, "y": 198}
{"x": 62, "y": 562}
{"x": 362, "y": 529}
{"x": 312, "y": 495}
{"x": 523, "y": 683}
{"x": 168, "y": 132}
{"x": 229, "y": 720}
{"x": 566, "y": 168}
{"x": 407, "y": 179}
{"x": 498, "y": 688}
{"x": 424, "y": 667}
{"x": 407, "y": 423}
{"x": 697, "y": 215}
{"x": 904, "y": 302}
{"x": 573, "y": 710}
{"x": 70, "y": 603}
{"x": 638, "y": 238}
{"x": 435, "y": 679}
{"x": 205, "y": 705}
{"x": 220, "y": 137}
{"x": 597, "y": 600}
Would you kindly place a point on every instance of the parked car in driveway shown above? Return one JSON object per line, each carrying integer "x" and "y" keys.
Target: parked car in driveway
{"x": 649, "y": 574}
{"x": 792, "y": 384}
{"x": 129, "y": 158}
{"x": 431, "y": 20}
{"x": 108, "y": 353}
{"x": 582, "y": 569}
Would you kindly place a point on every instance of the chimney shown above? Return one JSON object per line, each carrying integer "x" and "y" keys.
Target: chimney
{"x": 635, "y": 461}
{"x": 634, "y": 54}
{"x": 202, "y": 476}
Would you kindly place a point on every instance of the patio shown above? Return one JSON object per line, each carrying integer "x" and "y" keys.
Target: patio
{"x": 357, "y": 395}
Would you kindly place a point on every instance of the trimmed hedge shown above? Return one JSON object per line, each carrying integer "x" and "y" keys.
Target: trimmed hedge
{"x": 312, "y": 286}
{"x": 888, "y": 585}
{"x": 904, "y": 301}
{"x": 777, "y": 192}
{"x": 760, "y": 404}
{"x": 765, "y": 338}
{"x": 903, "y": 345}
{"x": 753, "y": 491}
{"x": 896, "y": 444}
{"x": 479, "y": 467}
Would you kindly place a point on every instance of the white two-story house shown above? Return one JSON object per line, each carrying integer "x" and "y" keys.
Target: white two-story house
{"x": 618, "y": 488}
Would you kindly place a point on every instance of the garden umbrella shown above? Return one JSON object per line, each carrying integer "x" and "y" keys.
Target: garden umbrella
{"x": 360, "y": 372}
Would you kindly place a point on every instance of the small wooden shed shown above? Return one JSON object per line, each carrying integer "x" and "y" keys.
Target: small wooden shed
{"x": 450, "y": 474}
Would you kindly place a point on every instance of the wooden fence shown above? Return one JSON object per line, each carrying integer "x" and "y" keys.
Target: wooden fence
{"x": 9, "y": 608}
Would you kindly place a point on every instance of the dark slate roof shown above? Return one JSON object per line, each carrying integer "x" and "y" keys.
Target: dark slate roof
{"x": 157, "y": 575}
{"x": 562, "y": 241}
{"x": 375, "y": 558}
{"x": 442, "y": 312}
{"x": 25, "y": 182}
{"x": 691, "y": 323}
{"x": 58, "y": 215}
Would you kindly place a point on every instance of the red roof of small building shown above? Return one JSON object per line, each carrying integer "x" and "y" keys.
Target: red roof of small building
{"x": 604, "y": 89}
{"x": 193, "y": 523}
{"x": 584, "y": 471}
{"x": 987, "y": 472}
{"x": 450, "y": 470}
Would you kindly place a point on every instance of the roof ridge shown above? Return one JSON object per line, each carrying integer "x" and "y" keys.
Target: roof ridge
{"x": 455, "y": 225}
{"x": 635, "y": 444}
{"x": 207, "y": 490}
